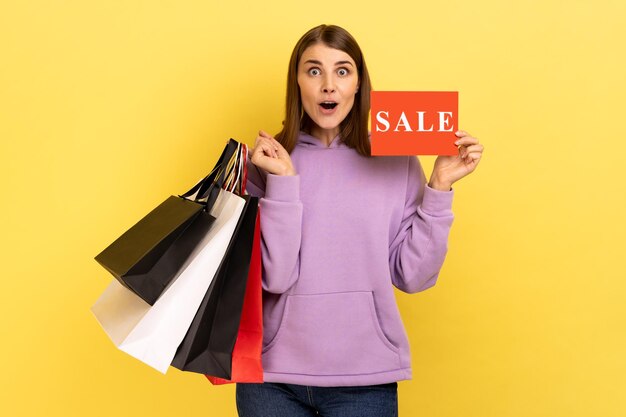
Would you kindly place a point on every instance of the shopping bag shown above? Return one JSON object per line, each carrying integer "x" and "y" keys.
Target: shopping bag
{"x": 152, "y": 334}
{"x": 208, "y": 345}
{"x": 147, "y": 257}
{"x": 246, "y": 357}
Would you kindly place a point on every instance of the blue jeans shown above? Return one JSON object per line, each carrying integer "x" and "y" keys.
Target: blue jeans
{"x": 271, "y": 399}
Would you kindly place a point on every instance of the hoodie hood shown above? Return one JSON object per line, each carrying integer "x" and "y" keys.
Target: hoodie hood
{"x": 308, "y": 141}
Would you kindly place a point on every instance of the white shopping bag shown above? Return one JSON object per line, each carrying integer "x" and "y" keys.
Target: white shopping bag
{"x": 152, "y": 334}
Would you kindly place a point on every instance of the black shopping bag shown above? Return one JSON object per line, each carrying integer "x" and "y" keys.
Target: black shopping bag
{"x": 148, "y": 256}
{"x": 208, "y": 345}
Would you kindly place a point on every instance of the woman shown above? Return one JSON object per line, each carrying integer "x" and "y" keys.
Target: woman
{"x": 339, "y": 229}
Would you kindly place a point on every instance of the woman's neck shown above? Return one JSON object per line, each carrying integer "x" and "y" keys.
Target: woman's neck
{"x": 325, "y": 135}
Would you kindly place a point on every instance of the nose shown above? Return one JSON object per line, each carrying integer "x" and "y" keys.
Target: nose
{"x": 328, "y": 85}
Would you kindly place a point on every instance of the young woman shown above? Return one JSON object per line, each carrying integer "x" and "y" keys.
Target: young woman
{"x": 340, "y": 229}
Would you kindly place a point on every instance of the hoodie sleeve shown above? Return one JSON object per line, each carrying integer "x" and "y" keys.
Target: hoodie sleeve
{"x": 419, "y": 248}
{"x": 280, "y": 211}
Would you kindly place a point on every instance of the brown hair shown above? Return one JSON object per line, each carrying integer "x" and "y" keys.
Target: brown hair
{"x": 353, "y": 129}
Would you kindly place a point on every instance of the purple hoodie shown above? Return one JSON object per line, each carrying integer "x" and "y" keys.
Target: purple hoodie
{"x": 336, "y": 238}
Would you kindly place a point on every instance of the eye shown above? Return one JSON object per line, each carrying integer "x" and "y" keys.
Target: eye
{"x": 343, "y": 71}
{"x": 314, "y": 71}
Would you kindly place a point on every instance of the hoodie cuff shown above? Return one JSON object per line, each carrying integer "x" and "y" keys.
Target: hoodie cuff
{"x": 436, "y": 202}
{"x": 282, "y": 187}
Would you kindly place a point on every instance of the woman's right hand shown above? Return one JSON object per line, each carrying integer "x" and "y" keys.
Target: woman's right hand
{"x": 269, "y": 155}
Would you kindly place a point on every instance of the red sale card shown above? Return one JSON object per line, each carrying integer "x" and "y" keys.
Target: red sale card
{"x": 414, "y": 122}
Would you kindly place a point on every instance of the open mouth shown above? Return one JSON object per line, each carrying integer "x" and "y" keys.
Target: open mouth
{"x": 328, "y": 105}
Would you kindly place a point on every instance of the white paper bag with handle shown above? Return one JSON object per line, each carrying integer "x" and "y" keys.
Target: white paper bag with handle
{"x": 152, "y": 334}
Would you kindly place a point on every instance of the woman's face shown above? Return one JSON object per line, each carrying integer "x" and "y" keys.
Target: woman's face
{"x": 328, "y": 81}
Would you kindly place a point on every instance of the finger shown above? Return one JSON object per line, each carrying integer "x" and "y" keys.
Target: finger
{"x": 269, "y": 137}
{"x": 475, "y": 148}
{"x": 462, "y": 133}
{"x": 473, "y": 157}
{"x": 266, "y": 148}
{"x": 274, "y": 141}
{"x": 466, "y": 140}
{"x": 280, "y": 148}
{"x": 265, "y": 134}
{"x": 464, "y": 150}
{"x": 270, "y": 145}
{"x": 264, "y": 139}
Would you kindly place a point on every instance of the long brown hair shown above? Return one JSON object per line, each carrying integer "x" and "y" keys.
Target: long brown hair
{"x": 353, "y": 129}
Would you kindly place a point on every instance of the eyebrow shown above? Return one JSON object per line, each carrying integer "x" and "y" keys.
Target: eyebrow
{"x": 315, "y": 61}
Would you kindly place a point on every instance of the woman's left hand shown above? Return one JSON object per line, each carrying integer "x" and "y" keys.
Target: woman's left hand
{"x": 450, "y": 168}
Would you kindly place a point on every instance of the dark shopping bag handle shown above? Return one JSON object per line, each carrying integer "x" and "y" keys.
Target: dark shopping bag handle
{"x": 227, "y": 153}
{"x": 209, "y": 186}
{"x": 228, "y": 166}
{"x": 210, "y": 190}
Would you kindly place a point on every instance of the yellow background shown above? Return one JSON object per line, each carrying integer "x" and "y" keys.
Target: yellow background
{"x": 108, "y": 107}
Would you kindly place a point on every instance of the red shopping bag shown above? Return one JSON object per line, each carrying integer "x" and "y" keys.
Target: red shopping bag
{"x": 246, "y": 359}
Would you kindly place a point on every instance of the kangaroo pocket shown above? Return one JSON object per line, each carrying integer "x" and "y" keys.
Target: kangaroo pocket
{"x": 330, "y": 334}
